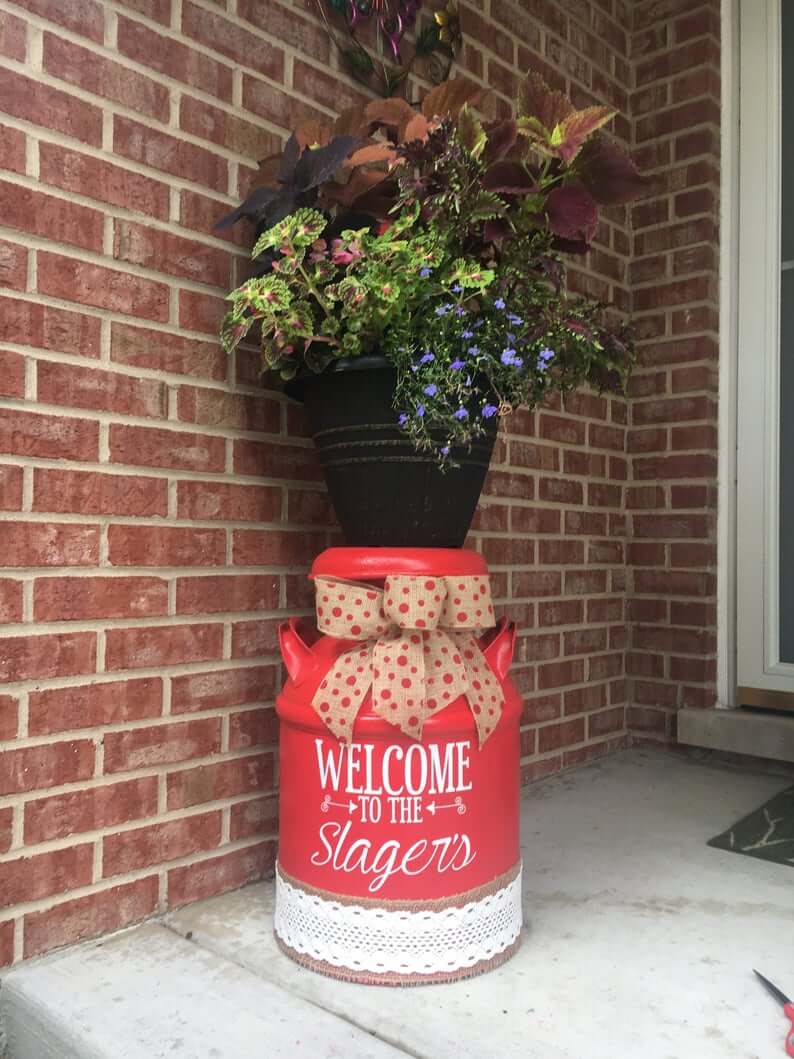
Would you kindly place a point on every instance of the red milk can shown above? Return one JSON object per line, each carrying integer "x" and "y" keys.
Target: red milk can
{"x": 399, "y": 856}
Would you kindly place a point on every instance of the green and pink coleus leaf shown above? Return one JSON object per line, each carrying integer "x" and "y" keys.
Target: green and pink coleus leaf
{"x": 539, "y": 108}
{"x": 569, "y": 136}
{"x": 266, "y": 294}
{"x": 471, "y": 133}
{"x": 552, "y": 124}
{"x": 234, "y": 328}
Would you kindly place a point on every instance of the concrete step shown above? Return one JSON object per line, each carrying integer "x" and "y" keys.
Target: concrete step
{"x": 641, "y": 942}
{"x": 151, "y": 994}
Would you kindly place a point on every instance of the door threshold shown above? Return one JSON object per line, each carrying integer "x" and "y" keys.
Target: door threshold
{"x": 739, "y": 731}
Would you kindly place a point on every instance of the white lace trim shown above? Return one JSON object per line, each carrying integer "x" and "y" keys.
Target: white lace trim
{"x": 379, "y": 940}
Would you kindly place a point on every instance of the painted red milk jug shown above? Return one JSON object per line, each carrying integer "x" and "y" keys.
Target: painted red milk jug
{"x": 399, "y": 772}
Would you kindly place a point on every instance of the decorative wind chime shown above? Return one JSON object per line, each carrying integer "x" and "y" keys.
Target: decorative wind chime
{"x": 436, "y": 42}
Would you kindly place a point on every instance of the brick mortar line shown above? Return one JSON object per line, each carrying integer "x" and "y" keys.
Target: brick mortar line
{"x": 45, "y": 903}
{"x": 143, "y": 772}
{"x": 233, "y": 388}
{"x": 23, "y": 574}
{"x": 165, "y": 327}
{"x": 112, "y": 107}
{"x": 169, "y": 621}
{"x": 203, "y": 668}
{"x": 111, "y": 211}
{"x": 664, "y": 167}
{"x": 311, "y": 485}
{"x": 152, "y": 522}
{"x": 43, "y": 134}
{"x": 176, "y": 36}
{"x": 285, "y": 48}
{"x": 181, "y": 426}
{"x": 258, "y": 750}
{"x": 177, "y": 669}
{"x": 96, "y": 835}
{"x": 111, "y": 264}
{"x": 13, "y": 630}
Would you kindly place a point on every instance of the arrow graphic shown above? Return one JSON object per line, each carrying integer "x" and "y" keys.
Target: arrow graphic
{"x": 458, "y": 805}
{"x": 326, "y": 803}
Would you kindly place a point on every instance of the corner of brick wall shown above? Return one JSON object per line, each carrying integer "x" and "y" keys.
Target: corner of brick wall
{"x": 672, "y": 439}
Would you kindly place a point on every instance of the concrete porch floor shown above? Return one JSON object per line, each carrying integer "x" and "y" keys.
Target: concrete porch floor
{"x": 640, "y": 941}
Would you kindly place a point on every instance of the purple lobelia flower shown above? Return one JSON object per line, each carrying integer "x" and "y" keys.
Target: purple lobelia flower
{"x": 489, "y": 410}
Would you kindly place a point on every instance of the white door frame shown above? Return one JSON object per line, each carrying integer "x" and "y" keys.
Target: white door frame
{"x": 728, "y": 355}
{"x": 753, "y": 274}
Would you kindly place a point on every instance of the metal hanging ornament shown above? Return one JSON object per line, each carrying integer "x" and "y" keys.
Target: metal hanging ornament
{"x": 437, "y": 41}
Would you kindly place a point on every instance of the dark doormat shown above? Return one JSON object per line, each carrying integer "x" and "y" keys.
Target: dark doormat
{"x": 767, "y": 833}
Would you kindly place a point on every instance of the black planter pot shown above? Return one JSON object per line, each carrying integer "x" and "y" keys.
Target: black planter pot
{"x": 384, "y": 492}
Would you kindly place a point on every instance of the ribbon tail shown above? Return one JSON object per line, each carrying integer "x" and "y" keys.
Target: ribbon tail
{"x": 445, "y": 673}
{"x": 485, "y": 695}
{"x": 342, "y": 692}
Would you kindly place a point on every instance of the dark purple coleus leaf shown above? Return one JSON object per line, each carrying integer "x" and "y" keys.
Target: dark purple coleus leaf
{"x": 502, "y": 136}
{"x": 320, "y": 164}
{"x": 254, "y": 206}
{"x": 289, "y": 160}
{"x": 299, "y": 173}
{"x": 508, "y": 178}
{"x": 608, "y": 173}
{"x": 569, "y": 246}
{"x": 572, "y": 212}
{"x": 496, "y": 230}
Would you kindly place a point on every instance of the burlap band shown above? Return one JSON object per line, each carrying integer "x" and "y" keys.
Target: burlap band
{"x": 430, "y": 904}
{"x": 413, "y": 652}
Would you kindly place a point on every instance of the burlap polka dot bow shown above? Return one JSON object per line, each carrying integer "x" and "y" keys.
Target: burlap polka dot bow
{"x": 413, "y": 653}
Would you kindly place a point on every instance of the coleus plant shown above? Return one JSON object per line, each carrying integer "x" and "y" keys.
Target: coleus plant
{"x": 437, "y": 238}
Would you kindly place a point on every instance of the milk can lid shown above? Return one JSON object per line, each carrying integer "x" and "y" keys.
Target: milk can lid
{"x": 368, "y": 564}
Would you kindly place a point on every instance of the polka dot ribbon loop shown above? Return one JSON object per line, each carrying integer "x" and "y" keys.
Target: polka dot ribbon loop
{"x": 412, "y": 652}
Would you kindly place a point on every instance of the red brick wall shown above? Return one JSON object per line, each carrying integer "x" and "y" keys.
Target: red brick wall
{"x": 159, "y": 511}
{"x": 672, "y": 437}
